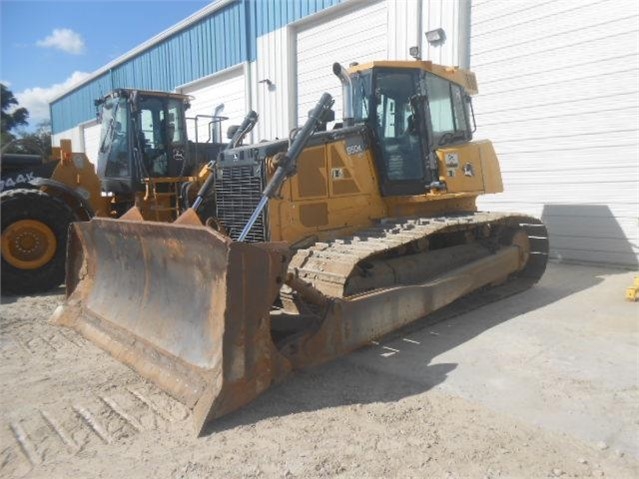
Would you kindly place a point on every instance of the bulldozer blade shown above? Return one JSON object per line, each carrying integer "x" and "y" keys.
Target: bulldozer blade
{"x": 183, "y": 305}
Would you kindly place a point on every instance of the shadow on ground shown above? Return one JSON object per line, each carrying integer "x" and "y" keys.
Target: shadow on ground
{"x": 384, "y": 373}
{"x": 7, "y": 298}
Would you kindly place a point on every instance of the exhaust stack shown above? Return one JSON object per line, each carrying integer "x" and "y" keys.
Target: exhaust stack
{"x": 347, "y": 94}
{"x": 217, "y": 123}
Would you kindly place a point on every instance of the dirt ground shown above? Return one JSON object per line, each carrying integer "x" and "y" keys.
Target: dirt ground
{"x": 492, "y": 393}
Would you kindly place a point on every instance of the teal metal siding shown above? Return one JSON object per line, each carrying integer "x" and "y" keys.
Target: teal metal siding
{"x": 78, "y": 107}
{"x": 221, "y": 40}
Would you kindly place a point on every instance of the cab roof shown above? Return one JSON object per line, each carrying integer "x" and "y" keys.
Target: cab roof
{"x": 457, "y": 75}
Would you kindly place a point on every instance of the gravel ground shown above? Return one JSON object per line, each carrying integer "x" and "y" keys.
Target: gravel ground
{"x": 543, "y": 384}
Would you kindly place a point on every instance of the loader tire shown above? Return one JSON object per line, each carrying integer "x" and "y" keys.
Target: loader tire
{"x": 35, "y": 226}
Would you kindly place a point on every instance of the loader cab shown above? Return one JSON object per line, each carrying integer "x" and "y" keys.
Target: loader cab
{"x": 411, "y": 113}
{"x": 143, "y": 135}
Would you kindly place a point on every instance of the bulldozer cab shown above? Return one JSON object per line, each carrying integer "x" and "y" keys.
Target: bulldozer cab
{"x": 411, "y": 112}
{"x": 143, "y": 136}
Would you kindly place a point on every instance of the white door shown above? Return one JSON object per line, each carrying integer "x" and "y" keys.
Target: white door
{"x": 359, "y": 35}
{"x": 559, "y": 97}
{"x": 227, "y": 88}
{"x": 91, "y": 134}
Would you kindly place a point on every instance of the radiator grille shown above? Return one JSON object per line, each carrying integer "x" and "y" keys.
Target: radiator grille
{"x": 238, "y": 190}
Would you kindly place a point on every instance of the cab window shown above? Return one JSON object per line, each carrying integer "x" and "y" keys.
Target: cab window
{"x": 447, "y": 111}
{"x": 396, "y": 125}
{"x": 113, "y": 153}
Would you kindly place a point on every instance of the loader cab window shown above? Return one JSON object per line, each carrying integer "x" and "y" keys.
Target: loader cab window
{"x": 448, "y": 111}
{"x": 397, "y": 125}
{"x": 161, "y": 135}
{"x": 113, "y": 153}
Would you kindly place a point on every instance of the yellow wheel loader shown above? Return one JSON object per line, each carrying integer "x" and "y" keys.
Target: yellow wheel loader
{"x": 319, "y": 244}
{"x": 143, "y": 159}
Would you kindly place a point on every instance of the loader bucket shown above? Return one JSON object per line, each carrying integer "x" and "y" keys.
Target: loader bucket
{"x": 183, "y": 305}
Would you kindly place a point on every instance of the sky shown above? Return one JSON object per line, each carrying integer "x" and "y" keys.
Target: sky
{"x": 47, "y": 46}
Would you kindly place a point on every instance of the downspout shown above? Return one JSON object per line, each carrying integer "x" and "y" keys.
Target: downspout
{"x": 420, "y": 35}
{"x": 463, "y": 53}
{"x": 248, "y": 39}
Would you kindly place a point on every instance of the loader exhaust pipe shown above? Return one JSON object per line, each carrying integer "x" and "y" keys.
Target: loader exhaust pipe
{"x": 216, "y": 132}
{"x": 288, "y": 162}
{"x": 347, "y": 94}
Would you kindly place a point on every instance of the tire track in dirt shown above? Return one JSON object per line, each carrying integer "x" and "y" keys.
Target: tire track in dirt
{"x": 67, "y": 397}
{"x": 50, "y": 434}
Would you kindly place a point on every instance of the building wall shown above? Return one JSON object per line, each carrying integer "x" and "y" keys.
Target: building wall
{"x": 297, "y": 59}
{"x": 220, "y": 40}
{"x": 358, "y": 34}
{"x": 73, "y": 134}
{"x": 91, "y": 136}
{"x": 559, "y": 97}
{"x": 273, "y": 38}
{"x": 558, "y": 82}
{"x": 225, "y": 88}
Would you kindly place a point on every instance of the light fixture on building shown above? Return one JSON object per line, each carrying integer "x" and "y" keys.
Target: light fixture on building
{"x": 269, "y": 84}
{"x": 436, "y": 38}
{"x": 414, "y": 52}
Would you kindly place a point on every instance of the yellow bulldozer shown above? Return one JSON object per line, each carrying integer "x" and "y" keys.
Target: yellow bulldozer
{"x": 144, "y": 158}
{"x": 318, "y": 245}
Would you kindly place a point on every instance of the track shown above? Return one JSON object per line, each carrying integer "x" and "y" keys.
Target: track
{"x": 329, "y": 265}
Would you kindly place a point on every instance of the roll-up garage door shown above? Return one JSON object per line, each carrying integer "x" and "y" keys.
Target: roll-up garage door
{"x": 91, "y": 134}
{"x": 559, "y": 97}
{"x": 228, "y": 88}
{"x": 358, "y": 35}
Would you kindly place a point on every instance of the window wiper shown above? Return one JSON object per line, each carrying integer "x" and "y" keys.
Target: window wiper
{"x": 107, "y": 134}
{"x": 110, "y": 133}
{"x": 362, "y": 91}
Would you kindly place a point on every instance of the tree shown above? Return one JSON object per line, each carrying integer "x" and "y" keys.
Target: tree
{"x": 15, "y": 119}
{"x": 37, "y": 142}
{"x": 11, "y": 119}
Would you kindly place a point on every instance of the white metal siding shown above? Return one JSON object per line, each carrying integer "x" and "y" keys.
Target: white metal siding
{"x": 442, "y": 14}
{"x": 228, "y": 88}
{"x": 404, "y": 22}
{"x": 297, "y": 59}
{"x": 92, "y": 141}
{"x": 559, "y": 97}
{"x": 358, "y": 35}
{"x": 73, "y": 134}
{"x": 270, "y": 77}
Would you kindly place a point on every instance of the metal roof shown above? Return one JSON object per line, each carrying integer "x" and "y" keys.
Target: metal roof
{"x": 200, "y": 14}
{"x": 213, "y": 39}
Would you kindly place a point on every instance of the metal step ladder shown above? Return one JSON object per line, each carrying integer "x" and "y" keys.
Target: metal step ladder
{"x": 164, "y": 199}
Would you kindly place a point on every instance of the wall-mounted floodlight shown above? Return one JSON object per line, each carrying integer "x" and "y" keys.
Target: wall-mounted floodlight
{"x": 414, "y": 52}
{"x": 269, "y": 84}
{"x": 436, "y": 38}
